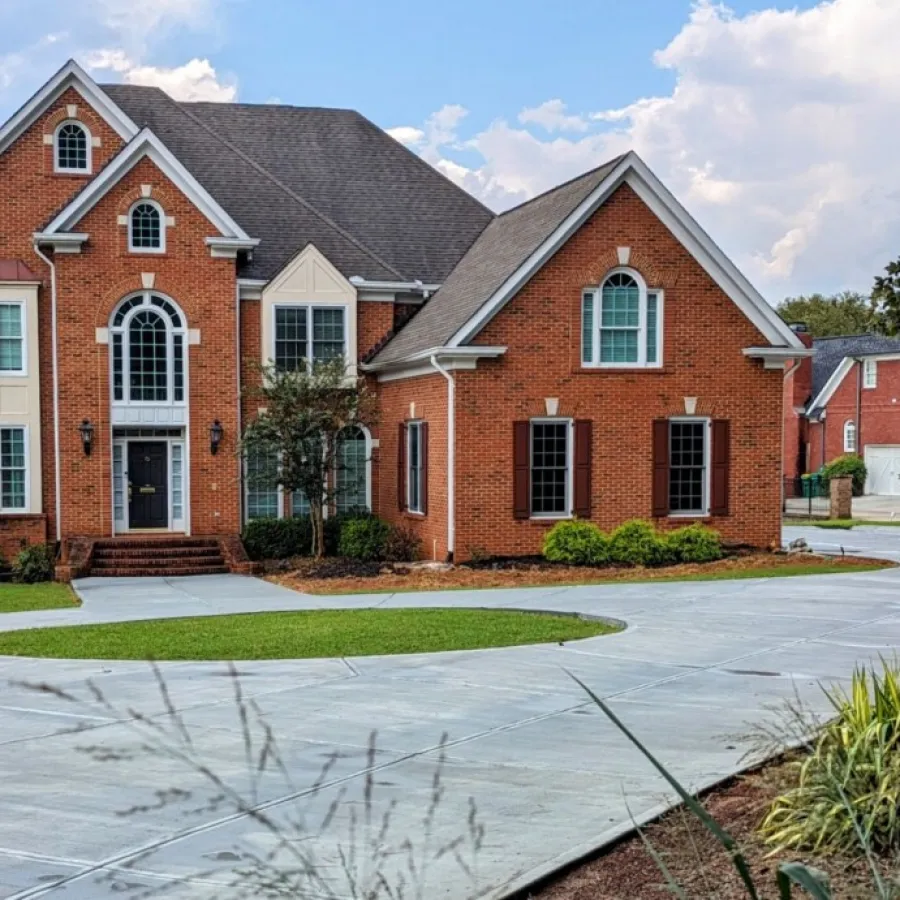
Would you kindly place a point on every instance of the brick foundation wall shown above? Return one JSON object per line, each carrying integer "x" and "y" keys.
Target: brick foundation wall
{"x": 17, "y": 532}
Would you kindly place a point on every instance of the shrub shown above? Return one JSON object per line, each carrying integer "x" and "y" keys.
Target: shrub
{"x": 848, "y": 464}
{"x": 278, "y": 538}
{"x": 34, "y": 563}
{"x": 364, "y": 539}
{"x": 849, "y": 785}
{"x": 334, "y": 525}
{"x": 693, "y": 544}
{"x": 636, "y": 543}
{"x": 403, "y": 545}
{"x": 576, "y": 543}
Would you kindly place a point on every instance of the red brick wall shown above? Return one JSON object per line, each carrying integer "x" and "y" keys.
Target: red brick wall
{"x": 374, "y": 320}
{"x": 704, "y": 336}
{"x": 17, "y": 532}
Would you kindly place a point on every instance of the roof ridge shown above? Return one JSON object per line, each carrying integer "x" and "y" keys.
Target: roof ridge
{"x": 296, "y": 197}
{"x": 558, "y": 187}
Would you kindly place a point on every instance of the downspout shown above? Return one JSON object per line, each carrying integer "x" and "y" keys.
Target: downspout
{"x": 787, "y": 373}
{"x": 451, "y": 457}
{"x": 55, "y": 354}
{"x": 859, "y": 374}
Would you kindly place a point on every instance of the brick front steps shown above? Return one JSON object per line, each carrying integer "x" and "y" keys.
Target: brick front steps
{"x": 168, "y": 557}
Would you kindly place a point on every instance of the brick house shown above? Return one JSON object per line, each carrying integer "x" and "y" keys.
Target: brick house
{"x": 845, "y": 399}
{"x": 590, "y": 352}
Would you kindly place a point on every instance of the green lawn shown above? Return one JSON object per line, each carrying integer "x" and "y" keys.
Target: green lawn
{"x": 840, "y": 523}
{"x": 301, "y": 635}
{"x": 50, "y": 595}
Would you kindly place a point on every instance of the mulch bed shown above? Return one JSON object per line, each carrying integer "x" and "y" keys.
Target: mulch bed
{"x": 697, "y": 861}
{"x": 342, "y": 576}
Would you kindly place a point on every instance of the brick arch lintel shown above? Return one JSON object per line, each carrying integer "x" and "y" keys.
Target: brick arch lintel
{"x": 132, "y": 284}
{"x": 596, "y": 272}
{"x": 160, "y": 194}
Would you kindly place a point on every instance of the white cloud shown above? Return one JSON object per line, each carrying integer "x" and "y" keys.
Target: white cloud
{"x": 552, "y": 116}
{"x": 407, "y": 135}
{"x": 779, "y": 135}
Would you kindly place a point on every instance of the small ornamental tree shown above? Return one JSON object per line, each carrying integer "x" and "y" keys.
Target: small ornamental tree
{"x": 294, "y": 442}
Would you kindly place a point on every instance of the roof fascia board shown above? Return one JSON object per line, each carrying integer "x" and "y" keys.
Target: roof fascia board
{"x": 70, "y": 75}
{"x": 444, "y": 354}
{"x": 833, "y": 383}
{"x": 147, "y": 144}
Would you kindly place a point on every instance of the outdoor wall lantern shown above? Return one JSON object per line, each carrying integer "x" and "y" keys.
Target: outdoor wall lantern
{"x": 215, "y": 436}
{"x": 87, "y": 435}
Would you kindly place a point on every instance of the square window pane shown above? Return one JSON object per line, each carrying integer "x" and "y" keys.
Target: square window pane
{"x": 291, "y": 335}
{"x": 618, "y": 346}
{"x": 687, "y": 461}
{"x": 328, "y": 334}
{"x": 549, "y": 468}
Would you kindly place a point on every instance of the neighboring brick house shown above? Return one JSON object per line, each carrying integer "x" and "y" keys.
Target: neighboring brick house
{"x": 590, "y": 353}
{"x": 845, "y": 399}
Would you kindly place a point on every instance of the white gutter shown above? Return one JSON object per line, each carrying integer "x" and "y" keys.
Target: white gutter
{"x": 451, "y": 457}
{"x": 55, "y": 354}
{"x": 240, "y": 428}
{"x": 359, "y": 282}
{"x": 447, "y": 353}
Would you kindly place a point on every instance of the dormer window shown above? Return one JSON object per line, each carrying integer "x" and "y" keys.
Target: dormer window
{"x": 72, "y": 148}
{"x": 146, "y": 228}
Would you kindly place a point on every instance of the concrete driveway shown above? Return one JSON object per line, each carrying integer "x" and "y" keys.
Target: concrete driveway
{"x": 85, "y": 816}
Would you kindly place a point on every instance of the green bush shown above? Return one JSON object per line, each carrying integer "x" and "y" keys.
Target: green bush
{"x": 334, "y": 525}
{"x": 637, "y": 543}
{"x": 693, "y": 544}
{"x": 848, "y": 464}
{"x": 36, "y": 562}
{"x": 403, "y": 545}
{"x": 849, "y": 785}
{"x": 576, "y": 543}
{"x": 278, "y": 538}
{"x": 364, "y": 539}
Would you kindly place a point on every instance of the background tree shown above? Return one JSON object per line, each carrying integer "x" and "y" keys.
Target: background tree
{"x": 886, "y": 299}
{"x": 824, "y": 316}
{"x": 294, "y": 444}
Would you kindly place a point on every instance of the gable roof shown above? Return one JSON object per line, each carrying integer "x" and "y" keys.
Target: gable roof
{"x": 515, "y": 245}
{"x": 833, "y": 359}
{"x": 293, "y": 176}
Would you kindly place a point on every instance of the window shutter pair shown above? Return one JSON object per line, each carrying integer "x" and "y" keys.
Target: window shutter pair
{"x": 583, "y": 438}
{"x": 720, "y": 457}
{"x": 403, "y": 466}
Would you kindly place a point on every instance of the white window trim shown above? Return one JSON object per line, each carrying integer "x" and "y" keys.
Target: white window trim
{"x": 146, "y": 201}
{"x": 850, "y": 428}
{"x": 414, "y": 423}
{"x": 89, "y": 162}
{"x": 279, "y": 489}
{"x": 368, "y": 439}
{"x": 23, "y": 371}
{"x": 15, "y": 510}
{"x": 870, "y": 373}
{"x": 171, "y": 331}
{"x": 309, "y": 307}
{"x": 570, "y": 466}
{"x": 597, "y": 309}
{"x": 707, "y": 469}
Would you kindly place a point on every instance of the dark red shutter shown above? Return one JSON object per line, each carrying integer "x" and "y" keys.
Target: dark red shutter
{"x": 721, "y": 464}
{"x": 521, "y": 470}
{"x": 401, "y": 466}
{"x": 661, "y": 467}
{"x": 423, "y": 464}
{"x": 583, "y": 453}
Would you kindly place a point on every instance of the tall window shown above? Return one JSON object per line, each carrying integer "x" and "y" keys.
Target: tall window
{"x": 262, "y": 487}
{"x": 689, "y": 466}
{"x": 308, "y": 332}
{"x": 550, "y": 468}
{"x": 72, "y": 151}
{"x": 620, "y": 323}
{"x": 351, "y": 476}
{"x": 849, "y": 436}
{"x": 13, "y": 469}
{"x": 415, "y": 470}
{"x": 146, "y": 228}
{"x": 870, "y": 373}
{"x": 12, "y": 338}
{"x": 148, "y": 352}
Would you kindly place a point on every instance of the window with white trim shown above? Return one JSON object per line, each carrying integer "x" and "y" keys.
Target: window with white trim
{"x": 263, "y": 498}
{"x": 551, "y": 468}
{"x": 689, "y": 469}
{"x": 621, "y": 323}
{"x": 72, "y": 148}
{"x": 13, "y": 470}
{"x": 351, "y": 477}
{"x": 12, "y": 338}
{"x": 849, "y": 436}
{"x": 146, "y": 228}
{"x": 302, "y": 333}
{"x": 414, "y": 467}
{"x": 870, "y": 373}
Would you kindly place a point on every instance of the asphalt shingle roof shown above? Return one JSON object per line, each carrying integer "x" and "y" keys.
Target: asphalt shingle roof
{"x": 292, "y": 176}
{"x": 830, "y": 351}
{"x": 500, "y": 249}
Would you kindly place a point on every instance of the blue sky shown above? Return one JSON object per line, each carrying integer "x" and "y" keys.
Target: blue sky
{"x": 772, "y": 123}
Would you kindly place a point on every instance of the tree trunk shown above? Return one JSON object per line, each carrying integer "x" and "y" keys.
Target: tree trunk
{"x": 318, "y": 530}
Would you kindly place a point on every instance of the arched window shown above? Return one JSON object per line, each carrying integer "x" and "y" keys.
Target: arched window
{"x": 849, "y": 436}
{"x": 148, "y": 357}
{"x": 621, "y": 323}
{"x": 146, "y": 228}
{"x": 352, "y": 481}
{"x": 72, "y": 148}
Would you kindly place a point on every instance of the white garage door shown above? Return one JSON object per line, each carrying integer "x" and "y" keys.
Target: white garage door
{"x": 883, "y": 464}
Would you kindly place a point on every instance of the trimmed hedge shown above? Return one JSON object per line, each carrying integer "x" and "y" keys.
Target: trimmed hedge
{"x": 848, "y": 464}
{"x": 34, "y": 563}
{"x": 278, "y": 538}
{"x": 637, "y": 543}
{"x": 694, "y": 544}
{"x": 364, "y": 539}
{"x": 577, "y": 544}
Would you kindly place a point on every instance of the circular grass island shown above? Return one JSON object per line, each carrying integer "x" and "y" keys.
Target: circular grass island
{"x": 304, "y": 635}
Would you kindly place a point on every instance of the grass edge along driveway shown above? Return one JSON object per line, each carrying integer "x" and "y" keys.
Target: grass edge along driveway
{"x": 26, "y": 597}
